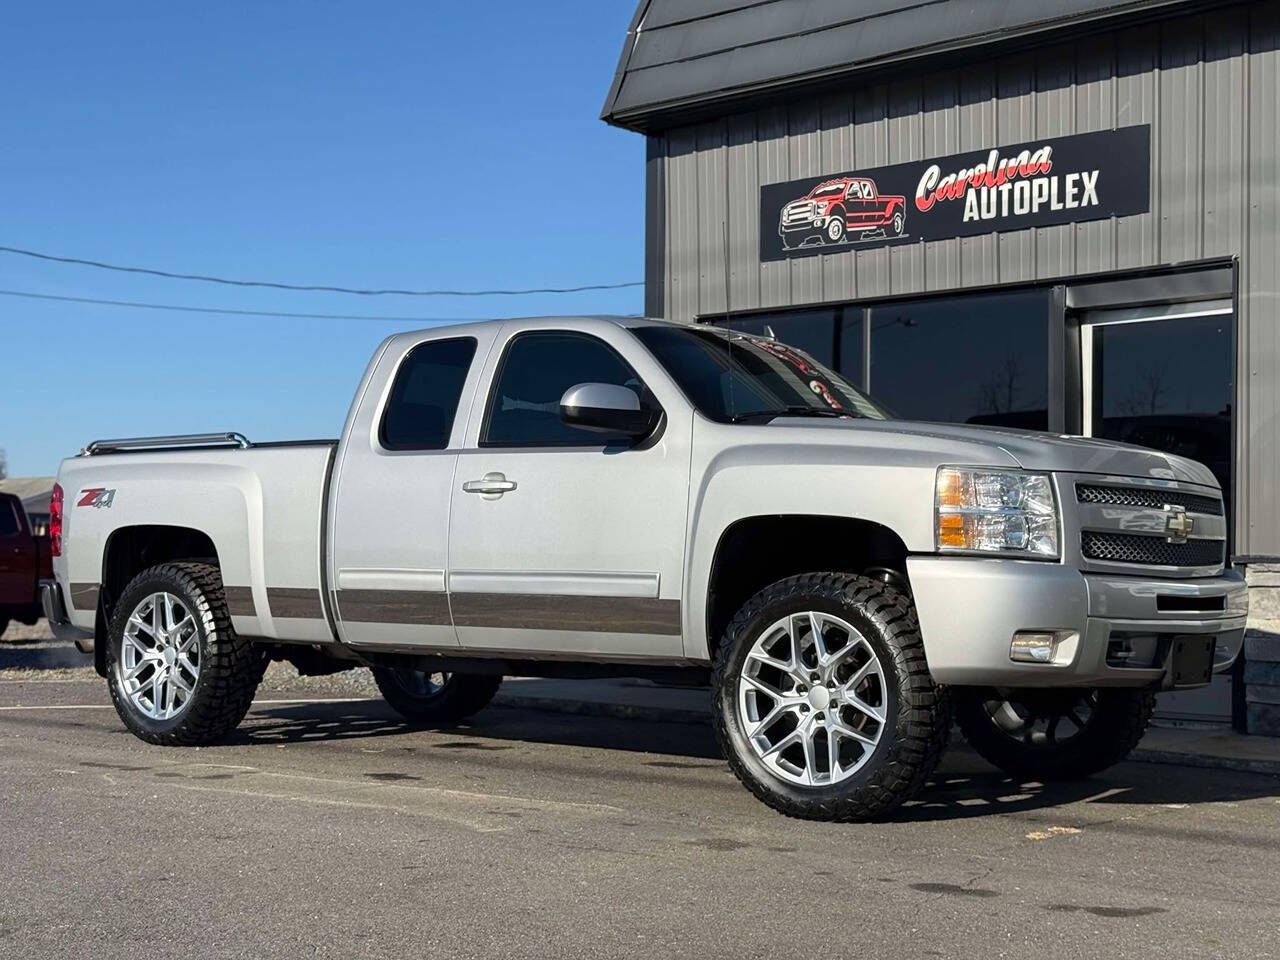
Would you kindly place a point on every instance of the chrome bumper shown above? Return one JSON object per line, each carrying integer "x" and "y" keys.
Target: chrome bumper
{"x": 55, "y": 611}
{"x": 970, "y": 608}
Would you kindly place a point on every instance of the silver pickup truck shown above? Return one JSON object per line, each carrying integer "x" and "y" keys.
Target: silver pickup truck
{"x": 592, "y": 497}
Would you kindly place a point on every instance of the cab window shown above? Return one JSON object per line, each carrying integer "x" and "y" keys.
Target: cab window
{"x": 424, "y": 398}
{"x": 538, "y": 367}
{"x": 8, "y": 519}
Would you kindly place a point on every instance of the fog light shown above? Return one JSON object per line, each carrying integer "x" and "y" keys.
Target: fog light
{"x": 1033, "y": 647}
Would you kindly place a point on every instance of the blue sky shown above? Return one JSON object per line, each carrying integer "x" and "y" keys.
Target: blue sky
{"x": 391, "y": 144}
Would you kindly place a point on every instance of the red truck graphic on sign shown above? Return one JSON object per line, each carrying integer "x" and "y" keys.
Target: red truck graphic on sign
{"x": 847, "y": 208}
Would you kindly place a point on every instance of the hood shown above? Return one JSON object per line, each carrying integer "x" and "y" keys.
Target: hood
{"x": 1034, "y": 450}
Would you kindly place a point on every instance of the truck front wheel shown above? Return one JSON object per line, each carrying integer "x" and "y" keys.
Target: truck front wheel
{"x": 824, "y": 705}
{"x": 426, "y": 696}
{"x": 179, "y": 674}
{"x": 1053, "y": 734}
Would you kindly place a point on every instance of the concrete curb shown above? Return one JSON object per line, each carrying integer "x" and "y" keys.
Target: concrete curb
{"x": 652, "y": 714}
{"x": 1207, "y": 761}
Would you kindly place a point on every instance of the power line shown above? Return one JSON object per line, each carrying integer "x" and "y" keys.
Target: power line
{"x": 239, "y": 313}
{"x": 314, "y": 288}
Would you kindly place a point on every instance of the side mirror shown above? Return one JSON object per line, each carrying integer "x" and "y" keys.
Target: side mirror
{"x": 606, "y": 408}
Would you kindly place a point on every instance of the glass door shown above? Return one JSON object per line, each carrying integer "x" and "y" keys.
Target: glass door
{"x": 1164, "y": 377}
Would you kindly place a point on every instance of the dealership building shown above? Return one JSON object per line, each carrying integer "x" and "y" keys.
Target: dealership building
{"x": 1053, "y": 215}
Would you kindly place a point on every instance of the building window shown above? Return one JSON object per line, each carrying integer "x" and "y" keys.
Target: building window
{"x": 980, "y": 359}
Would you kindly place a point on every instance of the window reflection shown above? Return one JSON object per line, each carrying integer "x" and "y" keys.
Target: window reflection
{"x": 980, "y": 359}
{"x": 831, "y": 336}
{"x": 1167, "y": 384}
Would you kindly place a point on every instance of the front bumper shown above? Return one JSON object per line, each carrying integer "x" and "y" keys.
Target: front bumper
{"x": 55, "y": 611}
{"x": 970, "y": 608}
{"x": 799, "y": 230}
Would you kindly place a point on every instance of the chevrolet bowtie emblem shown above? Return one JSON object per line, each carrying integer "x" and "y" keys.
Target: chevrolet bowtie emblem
{"x": 1177, "y": 524}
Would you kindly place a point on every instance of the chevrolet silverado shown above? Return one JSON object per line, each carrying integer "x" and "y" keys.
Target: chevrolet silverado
{"x": 587, "y": 497}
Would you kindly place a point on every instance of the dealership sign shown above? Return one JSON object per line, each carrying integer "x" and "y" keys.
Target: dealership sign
{"x": 1039, "y": 183}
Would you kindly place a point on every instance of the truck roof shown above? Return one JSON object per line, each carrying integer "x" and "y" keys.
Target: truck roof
{"x": 533, "y": 323}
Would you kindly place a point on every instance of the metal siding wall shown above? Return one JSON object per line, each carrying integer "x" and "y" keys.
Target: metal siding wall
{"x": 655, "y": 226}
{"x": 977, "y": 117}
{"x": 1208, "y": 85}
{"x": 1015, "y": 123}
{"x": 872, "y": 269}
{"x": 744, "y": 212}
{"x": 1094, "y": 109}
{"x": 712, "y": 195}
{"x": 1259, "y": 323}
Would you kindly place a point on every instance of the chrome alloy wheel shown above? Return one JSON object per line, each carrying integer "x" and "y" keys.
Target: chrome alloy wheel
{"x": 421, "y": 683}
{"x": 159, "y": 661}
{"x": 1035, "y": 718}
{"x": 812, "y": 699}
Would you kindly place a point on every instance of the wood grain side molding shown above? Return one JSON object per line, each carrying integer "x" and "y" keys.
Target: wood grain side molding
{"x": 299, "y": 603}
{"x": 240, "y": 601}
{"x": 533, "y": 611}
{"x": 418, "y": 607}
{"x": 521, "y": 611}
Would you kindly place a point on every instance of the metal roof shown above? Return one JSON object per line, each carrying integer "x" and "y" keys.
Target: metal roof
{"x": 28, "y": 488}
{"x": 34, "y": 492}
{"x": 680, "y": 55}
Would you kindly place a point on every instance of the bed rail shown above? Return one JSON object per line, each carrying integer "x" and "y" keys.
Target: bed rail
{"x": 183, "y": 441}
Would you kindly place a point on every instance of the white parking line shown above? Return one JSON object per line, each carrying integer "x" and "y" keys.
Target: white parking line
{"x": 256, "y": 703}
{"x": 64, "y": 706}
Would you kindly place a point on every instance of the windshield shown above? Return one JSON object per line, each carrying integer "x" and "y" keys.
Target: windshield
{"x": 732, "y": 378}
{"x": 832, "y": 190}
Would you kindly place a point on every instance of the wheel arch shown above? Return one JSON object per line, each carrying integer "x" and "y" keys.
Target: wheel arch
{"x": 131, "y": 549}
{"x": 755, "y": 551}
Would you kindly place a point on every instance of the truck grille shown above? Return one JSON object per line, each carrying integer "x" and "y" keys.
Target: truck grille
{"x": 1154, "y": 497}
{"x": 1134, "y": 548}
{"x": 797, "y": 213}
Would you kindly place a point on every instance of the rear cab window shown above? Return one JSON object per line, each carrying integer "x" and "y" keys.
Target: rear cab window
{"x": 424, "y": 398}
{"x": 9, "y": 526}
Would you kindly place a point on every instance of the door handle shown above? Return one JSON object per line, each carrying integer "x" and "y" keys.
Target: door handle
{"x": 491, "y": 486}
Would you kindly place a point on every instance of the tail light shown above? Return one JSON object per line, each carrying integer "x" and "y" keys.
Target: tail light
{"x": 55, "y": 521}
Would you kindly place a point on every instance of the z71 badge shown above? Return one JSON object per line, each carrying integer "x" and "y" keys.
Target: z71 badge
{"x": 96, "y": 497}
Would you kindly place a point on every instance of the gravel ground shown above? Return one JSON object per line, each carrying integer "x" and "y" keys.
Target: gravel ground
{"x": 31, "y": 654}
{"x": 21, "y": 633}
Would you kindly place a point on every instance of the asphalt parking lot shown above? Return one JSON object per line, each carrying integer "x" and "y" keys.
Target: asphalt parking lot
{"x": 330, "y": 829}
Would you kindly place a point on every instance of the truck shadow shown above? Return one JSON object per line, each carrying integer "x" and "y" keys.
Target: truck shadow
{"x": 685, "y": 754}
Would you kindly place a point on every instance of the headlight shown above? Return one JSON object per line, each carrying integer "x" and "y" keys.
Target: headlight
{"x": 995, "y": 511}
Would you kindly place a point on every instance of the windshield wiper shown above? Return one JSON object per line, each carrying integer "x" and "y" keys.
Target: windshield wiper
{"x": 795, "y": 411}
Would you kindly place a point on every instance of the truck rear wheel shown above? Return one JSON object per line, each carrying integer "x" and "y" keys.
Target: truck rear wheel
{"x": 824, "y": 705}
{"x": 1053, "y": 734}
{"x": 426, "y": 696}
{"x": 179, "y": 674}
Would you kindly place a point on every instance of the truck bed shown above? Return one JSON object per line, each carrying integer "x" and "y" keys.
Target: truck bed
{"x": 246, "y": 495}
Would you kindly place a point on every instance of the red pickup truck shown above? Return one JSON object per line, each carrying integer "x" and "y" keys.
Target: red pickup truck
{"x": 839, "y": 210}
{"x": 24, "y": 561}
